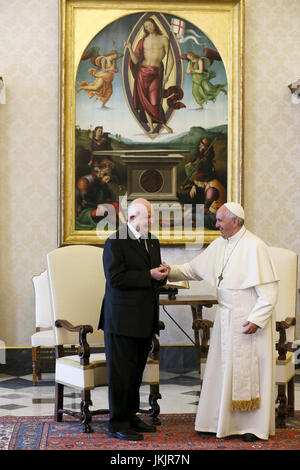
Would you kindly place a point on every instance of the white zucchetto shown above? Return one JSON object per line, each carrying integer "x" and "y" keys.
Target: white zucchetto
{"x": 236, "y": 209}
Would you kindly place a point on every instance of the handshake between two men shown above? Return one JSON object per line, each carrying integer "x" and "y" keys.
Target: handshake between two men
{"x": 161, "y": 272}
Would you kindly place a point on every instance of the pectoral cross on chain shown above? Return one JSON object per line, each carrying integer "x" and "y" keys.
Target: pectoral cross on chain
{"x": 224, "y": 265}
{"x": 220, "y": 278}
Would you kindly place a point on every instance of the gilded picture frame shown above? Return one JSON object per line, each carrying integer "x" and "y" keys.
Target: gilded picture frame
{"x": 170, "y": 145}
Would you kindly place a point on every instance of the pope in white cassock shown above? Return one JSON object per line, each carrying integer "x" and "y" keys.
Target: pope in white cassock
{"x": 238, "y": 391}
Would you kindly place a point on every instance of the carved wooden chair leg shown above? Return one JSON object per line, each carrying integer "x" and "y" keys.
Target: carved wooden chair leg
{"x": 59, "y": 402}
{"x": 291, "y": 397}
{"x": 86, "y": 416}
{"x": 39, "y": 366}
{"x": 282, "y": 408}
{"x": 34, "y": 366}
{"x": 155, "y": 408}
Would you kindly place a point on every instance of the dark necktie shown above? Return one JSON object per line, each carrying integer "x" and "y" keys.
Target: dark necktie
{"x": 144, "y": 244}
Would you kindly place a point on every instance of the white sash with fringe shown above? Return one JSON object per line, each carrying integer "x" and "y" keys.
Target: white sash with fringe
{"x": 245, "y": 367}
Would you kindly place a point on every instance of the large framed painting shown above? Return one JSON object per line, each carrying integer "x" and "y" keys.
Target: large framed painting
{"x": 151, "y": 106}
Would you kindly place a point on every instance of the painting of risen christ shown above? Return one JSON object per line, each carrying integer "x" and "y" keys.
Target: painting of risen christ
{"x": 147, "y": 89}
{"x": 153, "y": 122}
{"x": 152, "y": 61}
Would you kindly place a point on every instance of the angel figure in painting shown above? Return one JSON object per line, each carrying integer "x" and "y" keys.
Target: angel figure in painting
{"x": 102, "y": 87}
{"x": 150, "y": 75}
{"x": 203, "y": 90}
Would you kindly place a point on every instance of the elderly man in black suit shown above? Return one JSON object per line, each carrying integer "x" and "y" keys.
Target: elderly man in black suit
{"x": 130, "y": 316}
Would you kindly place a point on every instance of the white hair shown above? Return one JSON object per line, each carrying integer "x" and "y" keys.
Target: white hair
{"x": 135, "y": 208}
{"x": 233, "y": 216}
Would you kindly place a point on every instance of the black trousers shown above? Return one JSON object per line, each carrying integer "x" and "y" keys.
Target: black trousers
{"x": 126, "y": 359}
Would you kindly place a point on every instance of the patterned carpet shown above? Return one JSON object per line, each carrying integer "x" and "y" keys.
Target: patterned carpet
{"x": 176, "y": 433}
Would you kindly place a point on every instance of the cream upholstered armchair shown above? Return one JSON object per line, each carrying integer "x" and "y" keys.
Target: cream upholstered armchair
{"x": 77, "y": 285}
{"x": 42, "y": 341}
{"x": 286, "y": 264}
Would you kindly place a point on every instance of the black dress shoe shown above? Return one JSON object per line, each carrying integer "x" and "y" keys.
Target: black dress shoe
{"x": 128, "y": 435}
{"x": 248, "y": 437}
{"x": 140, "y": 426}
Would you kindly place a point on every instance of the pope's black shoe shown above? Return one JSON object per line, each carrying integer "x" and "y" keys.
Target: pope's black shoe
{"x": 140, "y": 426}
{"x": 126, "y": 435}
{"x": 248, "y": 437}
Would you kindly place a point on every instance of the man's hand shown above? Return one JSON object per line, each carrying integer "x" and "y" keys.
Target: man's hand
{"x": 159, "y": 273}
{"x": 250, "y": 328}
{"x": 127, "y": 44}
{"x": 193, "y": 191}
{"x": 165, "y": 265}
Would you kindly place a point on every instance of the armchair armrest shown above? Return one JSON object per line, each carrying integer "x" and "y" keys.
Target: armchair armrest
{"x": 83, "y": 330}
{"x": 283, "y": 346}
{"x": 154, "y": 351}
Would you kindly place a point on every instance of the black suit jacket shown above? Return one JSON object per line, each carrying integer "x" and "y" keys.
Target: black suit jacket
{"x": 131, "y": 302}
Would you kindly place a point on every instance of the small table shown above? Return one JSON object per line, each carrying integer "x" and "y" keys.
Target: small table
{"x": 200, "y": 326}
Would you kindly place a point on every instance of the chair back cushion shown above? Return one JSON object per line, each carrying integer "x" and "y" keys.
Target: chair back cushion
{"x": 77, "y": 285}
{"x": 286, "y": 265}
{"x": 43, "y": 311}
